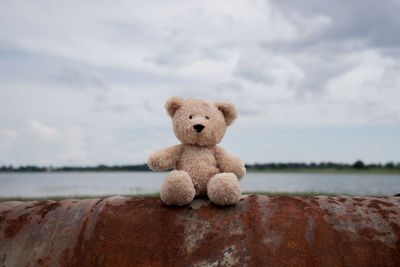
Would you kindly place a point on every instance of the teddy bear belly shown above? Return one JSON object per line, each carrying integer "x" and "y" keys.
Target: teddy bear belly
{"x": 200, "y": 178}
{"x": 200, "y": 168}
{"x": 200, "y": 181}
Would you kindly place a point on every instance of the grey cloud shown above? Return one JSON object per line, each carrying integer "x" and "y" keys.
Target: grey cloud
{"x": 115, "y": 108}
{"x": 370, "y": 21}
{"x": 230, "y": 87}
{"x": 268, "y": 68}
{"x": 78, "y": 79}
{"x": 182, "y": 47}
{"x": 179, "y": 55}
{"x": 355, "y": 25}
{"x": 17, "y": 64}
{"x": 253, "y": 74}
{"x": 319, "y": 71}
{"x": 244, "y": 111}
{"x": 131, "y": 33}
{"x": 137, "y": 76}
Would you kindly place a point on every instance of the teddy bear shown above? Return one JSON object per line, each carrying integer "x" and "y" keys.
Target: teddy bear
{"x": 200, "y": 167}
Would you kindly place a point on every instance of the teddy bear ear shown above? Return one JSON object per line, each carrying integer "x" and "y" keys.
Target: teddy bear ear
{"x": 173, "y": 104}
{"x": 229, "y": 111}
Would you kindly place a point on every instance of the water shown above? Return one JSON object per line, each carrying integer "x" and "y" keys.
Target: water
{"x": 126, "y": 183}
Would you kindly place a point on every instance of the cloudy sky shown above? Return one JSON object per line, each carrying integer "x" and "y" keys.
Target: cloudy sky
{"x": 85, "y": 82}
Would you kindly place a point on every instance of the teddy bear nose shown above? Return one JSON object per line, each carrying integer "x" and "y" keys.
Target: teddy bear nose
{"x": 198, "y": 127}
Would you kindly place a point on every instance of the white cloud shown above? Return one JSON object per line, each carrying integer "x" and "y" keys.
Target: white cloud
{"x": 271, "y": 69}
{"x": 46, "y": 132}
{"x": 366, "y": 90}
{"x": 9, "y": 134}
{"x": 7, "y": 138}
{"x": 72, "y": 152}
{"x": 64, "y": 145}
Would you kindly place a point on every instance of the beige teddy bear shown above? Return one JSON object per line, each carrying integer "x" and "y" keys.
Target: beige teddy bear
{"x": 200, "y": 166}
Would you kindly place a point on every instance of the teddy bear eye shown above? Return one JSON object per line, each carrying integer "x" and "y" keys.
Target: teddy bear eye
{"x": 191, "y": 117}
{"x": 207, "y": 118}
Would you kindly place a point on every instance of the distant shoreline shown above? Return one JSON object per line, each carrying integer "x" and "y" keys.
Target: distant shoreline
{"x": 329, "y": 171}
{"x": 291, "y": 167}
{"x": 305, "y": 171}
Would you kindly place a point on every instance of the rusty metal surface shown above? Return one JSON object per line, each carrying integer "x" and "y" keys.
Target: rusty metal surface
{"x": 260, "y": 230}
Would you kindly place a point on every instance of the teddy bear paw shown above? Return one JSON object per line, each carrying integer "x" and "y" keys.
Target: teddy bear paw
{"x": 177, "y": 189}
{"x": 223, "y": 189}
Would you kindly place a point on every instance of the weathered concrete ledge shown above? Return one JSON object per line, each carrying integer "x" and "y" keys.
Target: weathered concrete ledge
{"x": 260, "y": 230}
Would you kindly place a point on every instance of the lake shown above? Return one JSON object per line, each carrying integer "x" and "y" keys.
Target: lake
{"x": 126, "y": 183}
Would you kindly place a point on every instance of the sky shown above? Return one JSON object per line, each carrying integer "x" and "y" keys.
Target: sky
{"x": 85, "y": 82}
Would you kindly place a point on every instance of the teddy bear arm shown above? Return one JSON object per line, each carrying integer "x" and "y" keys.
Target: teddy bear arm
{"x": 165, "y": 158}
{"x": 229, "y": 163}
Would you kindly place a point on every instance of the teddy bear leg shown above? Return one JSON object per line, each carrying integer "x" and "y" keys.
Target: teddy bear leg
{"x": 177, "y": 189}
{"x": 224, "y": 189}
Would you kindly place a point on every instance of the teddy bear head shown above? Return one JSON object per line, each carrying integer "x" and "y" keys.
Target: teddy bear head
{"x": 199, "y": 122}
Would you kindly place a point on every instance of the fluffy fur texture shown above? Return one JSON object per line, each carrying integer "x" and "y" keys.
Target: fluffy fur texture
{"x": 200, "y": 166}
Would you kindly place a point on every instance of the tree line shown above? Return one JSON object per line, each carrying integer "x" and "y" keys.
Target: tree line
{"x": 358, "y": 165}
{"x": 32, "y": 168}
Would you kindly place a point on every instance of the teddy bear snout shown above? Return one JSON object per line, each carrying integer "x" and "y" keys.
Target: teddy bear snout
{"x": 198, "y": 127}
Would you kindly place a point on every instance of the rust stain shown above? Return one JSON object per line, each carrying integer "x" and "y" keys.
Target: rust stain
{"x": 14, "y": 226}
{"x": 3, "y": 216}
{"x": 43, "y": 262}
{"x": 375, "y": 203}
{"x": 41, "y": 208}
{"x": 130, "y": 235}
{"x": 385, "y": 213}
{"x": 45, "y": 208}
